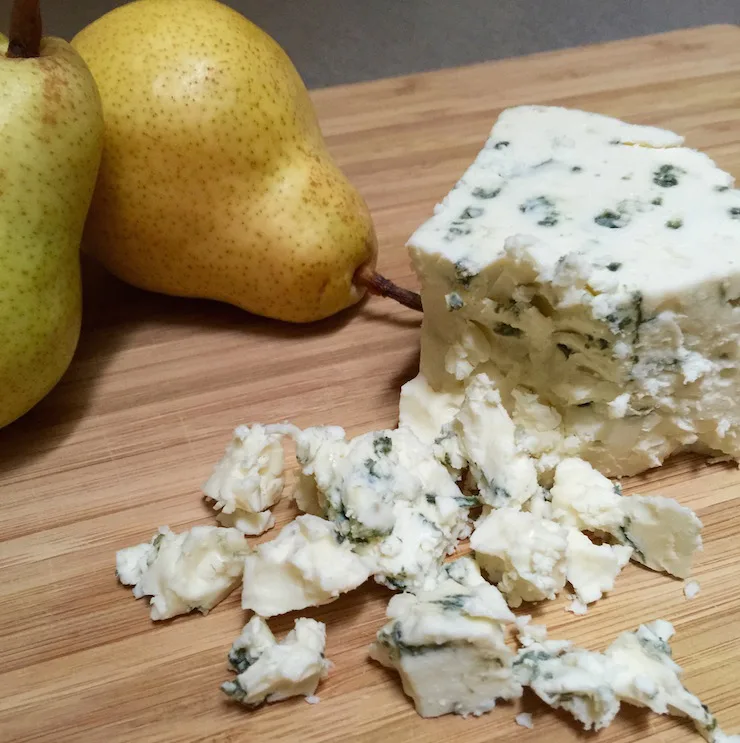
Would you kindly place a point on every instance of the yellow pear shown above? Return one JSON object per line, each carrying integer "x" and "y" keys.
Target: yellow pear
{"x": 215, "y": 180}
{"x": 52, "y": 137}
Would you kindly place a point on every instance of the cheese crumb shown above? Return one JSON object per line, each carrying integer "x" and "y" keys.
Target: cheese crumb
{"x": 524, "y": 719}
{"x": 691, "y": 589}
{"x": 576, "y": 606}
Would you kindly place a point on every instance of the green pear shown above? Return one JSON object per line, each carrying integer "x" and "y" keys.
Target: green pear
{"x": 52, "y": 134}
{"x": 216, "y": 181}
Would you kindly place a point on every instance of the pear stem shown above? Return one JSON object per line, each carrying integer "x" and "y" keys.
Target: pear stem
{"x": 25, "y": 30}
{"x": 376, "y": 284}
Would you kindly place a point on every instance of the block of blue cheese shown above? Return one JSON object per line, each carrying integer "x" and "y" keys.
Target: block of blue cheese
{"x": 591, "y": 269}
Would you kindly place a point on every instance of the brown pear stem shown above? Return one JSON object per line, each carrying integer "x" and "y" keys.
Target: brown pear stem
{"x": 25, "y": 29}
{"x": 376, "y": 284}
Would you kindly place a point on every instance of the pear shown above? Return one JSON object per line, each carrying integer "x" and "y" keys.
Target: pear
{"x": 52, "y": 138}
{"x": 215, "y": 180}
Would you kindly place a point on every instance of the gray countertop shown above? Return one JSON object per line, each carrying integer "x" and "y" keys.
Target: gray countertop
{"x": 340, "y": 41}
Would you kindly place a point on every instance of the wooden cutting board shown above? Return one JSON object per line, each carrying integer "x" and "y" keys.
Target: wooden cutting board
{"x": 123, "y": 444}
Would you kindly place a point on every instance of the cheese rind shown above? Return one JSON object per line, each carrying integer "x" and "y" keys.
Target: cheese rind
{"x": 593, "y": 264}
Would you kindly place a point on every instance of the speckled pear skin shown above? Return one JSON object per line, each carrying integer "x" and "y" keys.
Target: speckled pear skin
{"x": 215, "y": 180}
{"x": 51, "y": 138}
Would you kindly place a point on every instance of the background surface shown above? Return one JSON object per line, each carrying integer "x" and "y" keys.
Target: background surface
{"x": 342, "y": 41}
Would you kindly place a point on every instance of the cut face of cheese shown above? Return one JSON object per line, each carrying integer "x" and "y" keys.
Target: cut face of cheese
{"x": 589, "y": 267}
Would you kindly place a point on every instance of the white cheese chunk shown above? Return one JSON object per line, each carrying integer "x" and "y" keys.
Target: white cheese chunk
{"x": 583, "y": 498}
{"x": 592, "y": 264}
{"x": 448, "y": 646}
{"x": 425, "y": 410}
{"x": 389, "y": 497}
{"x": 637, "y": 668}
{"x": 647, "y": 676}
{"x": 524, "y": 555}
{"x": 269, "y": 671}
{"x": 195, "y": 569}
{"x": 524, "y": 719}
{"x": 592, "y": 568}
{"x": 246, "y": 522}
{"x": 527, "y": 633}
{"x": 663, "y": 534}
{"x": 132, "y": 562}
{"x": 248, "y": 480}
{"x": 505, "y": 476}
{"x": 573, "y": 679}
{"x": 305, "y": 565}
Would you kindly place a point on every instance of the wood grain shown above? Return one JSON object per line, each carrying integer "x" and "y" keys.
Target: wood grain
{"x": 125, "y": 441}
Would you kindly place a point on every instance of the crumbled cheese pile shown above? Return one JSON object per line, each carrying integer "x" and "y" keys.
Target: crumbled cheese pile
{"x": 538, "y": 366}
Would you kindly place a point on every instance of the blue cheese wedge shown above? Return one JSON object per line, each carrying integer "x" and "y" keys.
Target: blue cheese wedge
{"x": 525, "y": 556}
{"x": 591, "y": 264}
{"x": 195, "y": 569}
{"x": 389, "y": 498}
{"x": 448, "y": 644}
{"x": 269, "y": 671}
{"x": 248, "y": 480}
{"x": 305, "y": 565}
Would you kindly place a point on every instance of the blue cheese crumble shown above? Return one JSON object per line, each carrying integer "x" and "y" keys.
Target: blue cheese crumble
{"x": 268, "y": 671}
{"x": 305, "y": 565}
{"x": 248, "y": 480}
{"x": 195, "y": 569}
{"x": 637, "y": 669}
{"x": 389, "y": 498}
{"x": 448, "y": 644}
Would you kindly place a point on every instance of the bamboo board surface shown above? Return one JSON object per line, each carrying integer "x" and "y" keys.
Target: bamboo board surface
{"x": 124, "y": 443}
